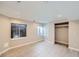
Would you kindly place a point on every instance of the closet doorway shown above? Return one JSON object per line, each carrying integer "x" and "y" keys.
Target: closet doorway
{"x": 61, "y": 33}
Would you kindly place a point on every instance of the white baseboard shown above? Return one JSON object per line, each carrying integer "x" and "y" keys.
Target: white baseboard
{"x": 74, "y": 49}
{"x": 18, "y": 46}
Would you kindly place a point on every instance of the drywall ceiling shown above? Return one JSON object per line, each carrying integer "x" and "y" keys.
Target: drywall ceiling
{"x": 43, "y": 11}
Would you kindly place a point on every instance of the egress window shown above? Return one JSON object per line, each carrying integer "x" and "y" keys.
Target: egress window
{"x": 18, "y": 30}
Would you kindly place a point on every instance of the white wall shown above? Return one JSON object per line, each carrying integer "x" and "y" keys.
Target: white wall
{"x": 5, "y": 31}
{"x": 50, "y": 32}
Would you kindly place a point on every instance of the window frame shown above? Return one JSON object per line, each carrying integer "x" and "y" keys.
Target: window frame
{"x": 19, "y": 28}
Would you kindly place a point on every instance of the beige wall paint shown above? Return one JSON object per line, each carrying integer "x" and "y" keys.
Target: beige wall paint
{"x": 6, "y": 41}
{"x": 4, "y": 33}
{"x": 74, "y": 35}
{"x": 5, "y": 28}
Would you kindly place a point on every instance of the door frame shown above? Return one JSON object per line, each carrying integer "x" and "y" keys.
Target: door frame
{"x": 61, "y": 23}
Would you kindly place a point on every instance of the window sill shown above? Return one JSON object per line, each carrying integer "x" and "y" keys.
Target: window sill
{"x": 20, "y": 38}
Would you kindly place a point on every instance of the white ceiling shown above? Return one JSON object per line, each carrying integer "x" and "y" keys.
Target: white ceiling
{"x": 43, "y": 11}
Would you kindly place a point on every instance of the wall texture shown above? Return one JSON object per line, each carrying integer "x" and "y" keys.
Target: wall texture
{"x": 5, "y": 31}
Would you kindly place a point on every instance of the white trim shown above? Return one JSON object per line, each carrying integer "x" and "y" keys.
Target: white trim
{"x": 18, "y": 46}
{"x": 74, "y": 49}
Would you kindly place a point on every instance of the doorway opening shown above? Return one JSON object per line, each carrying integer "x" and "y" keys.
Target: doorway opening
{"x": 61, "y": 33}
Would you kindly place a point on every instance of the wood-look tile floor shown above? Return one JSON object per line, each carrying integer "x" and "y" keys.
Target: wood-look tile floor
{"x": 41, "y": 49}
